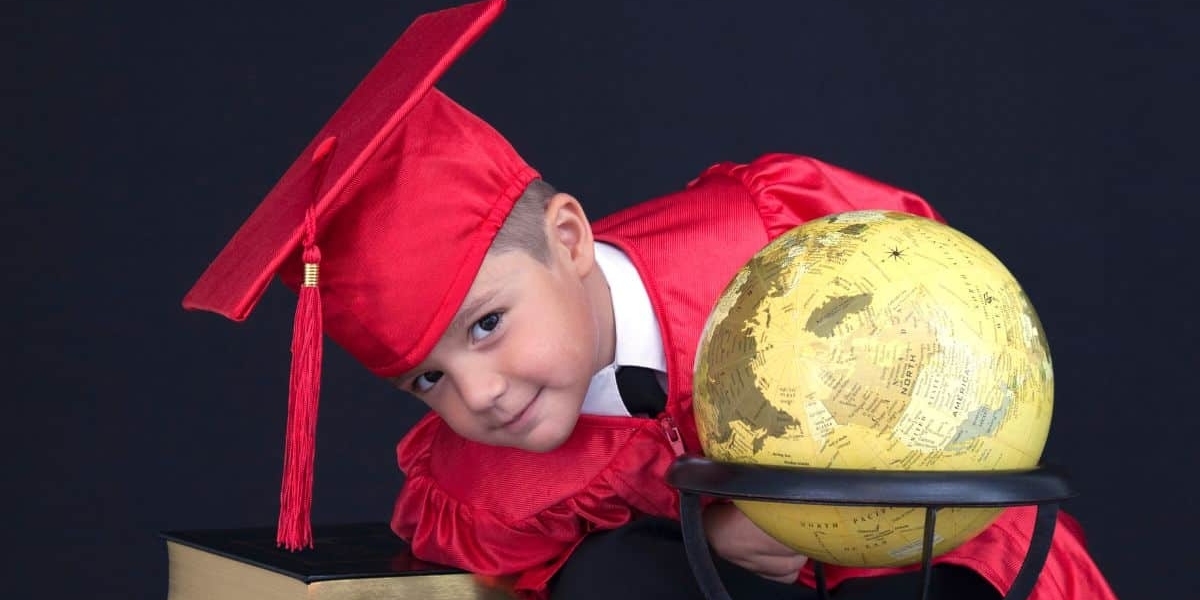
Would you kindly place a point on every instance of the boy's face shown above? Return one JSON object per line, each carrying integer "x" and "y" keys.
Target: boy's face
{"x": 514, "y": 365}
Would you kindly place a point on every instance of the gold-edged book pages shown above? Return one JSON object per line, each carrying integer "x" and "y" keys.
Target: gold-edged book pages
{"x": 349, "y": 562}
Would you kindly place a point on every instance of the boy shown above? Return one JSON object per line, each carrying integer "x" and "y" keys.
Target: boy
{"x": 423, "y": 244}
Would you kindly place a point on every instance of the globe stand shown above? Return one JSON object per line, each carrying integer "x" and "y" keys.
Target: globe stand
{"x": 932, "y": 490}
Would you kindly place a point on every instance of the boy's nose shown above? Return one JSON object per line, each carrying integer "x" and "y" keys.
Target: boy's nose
{"x": 480, "y": 390}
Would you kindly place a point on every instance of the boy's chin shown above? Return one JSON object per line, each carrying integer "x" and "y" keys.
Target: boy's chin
{"x": 547, "y": 437}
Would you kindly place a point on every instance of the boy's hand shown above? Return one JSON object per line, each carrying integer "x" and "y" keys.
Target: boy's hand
{"x": 741, "y": 542}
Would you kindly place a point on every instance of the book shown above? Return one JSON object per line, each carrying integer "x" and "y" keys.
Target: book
{"x": 348, "y": 562}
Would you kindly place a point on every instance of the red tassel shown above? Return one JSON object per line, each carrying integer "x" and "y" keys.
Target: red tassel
{"x": 295, "y": 499}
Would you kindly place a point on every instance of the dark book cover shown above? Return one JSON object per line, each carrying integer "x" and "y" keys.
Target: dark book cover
{"x": 347, "y": 551}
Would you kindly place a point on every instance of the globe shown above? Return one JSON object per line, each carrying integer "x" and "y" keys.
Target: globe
{"x": 873, "y": 340}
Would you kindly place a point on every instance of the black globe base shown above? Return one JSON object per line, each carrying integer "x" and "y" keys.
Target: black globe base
{"x": 695, "y": 477}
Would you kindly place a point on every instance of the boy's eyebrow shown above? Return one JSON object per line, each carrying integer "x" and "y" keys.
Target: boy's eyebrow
{"x": 469, "y": 308}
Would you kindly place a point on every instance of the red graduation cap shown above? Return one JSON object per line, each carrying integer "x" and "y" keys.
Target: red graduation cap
{"x": 397, "y": 199}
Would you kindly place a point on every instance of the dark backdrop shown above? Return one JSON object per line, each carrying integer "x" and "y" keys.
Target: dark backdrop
{"x": 139, "y": 135}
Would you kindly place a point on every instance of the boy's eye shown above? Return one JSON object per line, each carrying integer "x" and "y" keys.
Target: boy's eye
{"x": 484, "y": 327}
{"x": 425, "y": 381}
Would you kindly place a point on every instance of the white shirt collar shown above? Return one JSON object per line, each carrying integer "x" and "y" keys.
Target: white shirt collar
{"x": 638, "y": 339}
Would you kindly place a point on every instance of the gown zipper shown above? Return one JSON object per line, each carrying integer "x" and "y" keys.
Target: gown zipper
{"x": 672, "y": 434}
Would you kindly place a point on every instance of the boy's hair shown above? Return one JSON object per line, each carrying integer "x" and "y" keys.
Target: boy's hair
{"x": 524, "y": 228}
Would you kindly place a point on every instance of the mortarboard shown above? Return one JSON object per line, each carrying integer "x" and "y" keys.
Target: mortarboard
{"x": 397, "y": 199}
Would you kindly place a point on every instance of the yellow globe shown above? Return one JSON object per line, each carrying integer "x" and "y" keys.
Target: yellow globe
{"x": 873, "y": 340}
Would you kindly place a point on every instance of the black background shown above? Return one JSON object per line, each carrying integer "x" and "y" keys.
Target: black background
{"x": 139, "y": 135}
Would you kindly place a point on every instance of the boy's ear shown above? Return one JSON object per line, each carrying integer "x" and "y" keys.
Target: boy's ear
{"x": 569, "y": 232}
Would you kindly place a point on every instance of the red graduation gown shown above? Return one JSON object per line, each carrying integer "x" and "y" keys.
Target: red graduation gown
{"x": 515, "y": 514}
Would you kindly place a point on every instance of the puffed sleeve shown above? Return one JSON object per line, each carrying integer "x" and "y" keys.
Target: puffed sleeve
{"x": 791, "y": 189}
{"x": 460, "y": 506}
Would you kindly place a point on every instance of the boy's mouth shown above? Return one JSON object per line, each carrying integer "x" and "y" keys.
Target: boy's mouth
{"x": 517, "y": 418}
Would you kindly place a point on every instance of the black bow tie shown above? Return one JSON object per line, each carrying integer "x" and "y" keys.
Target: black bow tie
{"x": 640, "y": 391}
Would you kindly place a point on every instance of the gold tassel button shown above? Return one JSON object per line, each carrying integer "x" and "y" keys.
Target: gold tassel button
{"x": 310, "y": 274}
